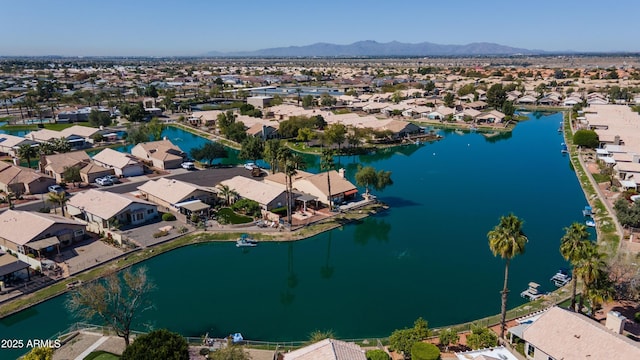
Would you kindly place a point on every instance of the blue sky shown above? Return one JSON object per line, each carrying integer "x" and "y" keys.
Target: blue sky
{"x": 194, "y": 27}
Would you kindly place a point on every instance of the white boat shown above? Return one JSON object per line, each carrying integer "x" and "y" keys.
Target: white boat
{"x": 561, "y": 278}
{"x": 245, "y": 241}
{"x": 590, "y": 223}
{"x": 587, "y": 211}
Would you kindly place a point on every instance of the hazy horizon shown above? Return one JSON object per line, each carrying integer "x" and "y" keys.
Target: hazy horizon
{"x": 162, "y": 28}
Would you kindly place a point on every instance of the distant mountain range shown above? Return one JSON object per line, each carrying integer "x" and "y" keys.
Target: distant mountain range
{"x": 372, "y": 48}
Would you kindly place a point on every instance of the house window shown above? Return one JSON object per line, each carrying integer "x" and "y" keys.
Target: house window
{"x": 530, "y": 350}
{"x": 150, "y": 211}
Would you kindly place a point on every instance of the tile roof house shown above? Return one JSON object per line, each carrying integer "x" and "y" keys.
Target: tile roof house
{"x": 269, "y": 196}
{"x": 162, "y": 154}
{"x": 170, "y": 193}
{"x": 562, "y": 334}
{"x": 9, "y": 144}
{"x": 21, "y": 180}
{"x": 328, "y": 349}
{"x": 122, "y": 164}
{"x": 25, "y": 232}
{"x": 103, "y": 208}
{"x": 316, "y": 185}
{"x": 55, "y": 165}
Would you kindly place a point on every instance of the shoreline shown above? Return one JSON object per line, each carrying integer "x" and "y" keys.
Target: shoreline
{"x": 128, "y": 259}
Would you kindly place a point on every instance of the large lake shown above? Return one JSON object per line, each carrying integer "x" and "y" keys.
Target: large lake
{"x": 427, "y": 256}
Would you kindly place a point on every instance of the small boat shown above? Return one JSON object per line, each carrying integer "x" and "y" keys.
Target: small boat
{"x": 246, "y": 241}
{"x": 590, "y": 223}
{"x": 564, "y": 148}
{"x": 532, "y": 292}
{"x": 561, "y": 278}
{"x": 587, "y": 211}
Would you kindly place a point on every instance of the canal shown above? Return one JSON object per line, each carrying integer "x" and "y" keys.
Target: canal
{"x": 427, "y": 256}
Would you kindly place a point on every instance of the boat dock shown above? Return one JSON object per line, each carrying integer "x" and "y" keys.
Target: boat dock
{"x": 532, "y": 292}
{"x": 561, "y": 278}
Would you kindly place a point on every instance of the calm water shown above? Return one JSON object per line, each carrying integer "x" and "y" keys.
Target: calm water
{"x": 428, "y": 256}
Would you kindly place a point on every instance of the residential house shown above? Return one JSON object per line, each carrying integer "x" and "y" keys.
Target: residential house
{"x": 563, "y": 334}
{"x": 123, "y": 165}
{"x": 327, "y": 349}
{"x": 21, "y": 180}
{"x": 9, "y": 144}
{"x": 161, "y": 154}
{"x": 259, "y": 102}
{"x": 316, "y": 185}
{"x": 172, "y": 194}
{"x": 494, "y": 353}
{"x": 476, "y": 105}
{"x": 493, "y": 116}
{"x": 39, "y": 234}
{"x": 265, "y": 132}
{"x": 527, "y": 100}
{"x": 54, "y": 165}
{"x": 471, "y": 114}
{"x": 269, "y": 196}
{"x": 441, "y": 113}
{"x": 104, "y": 209}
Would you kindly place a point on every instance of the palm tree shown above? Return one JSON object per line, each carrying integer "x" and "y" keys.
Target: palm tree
{"x": 507, "y": 240}
{"x": 572, "y": 248}
{"x": 27, "y": 152}
{"x": 290, "y": 164}
{"x": 591, "y": 267}
{"x": 326, "y": 163}
{"x": 58, "y": 198}
{"x": 227, "y": 193}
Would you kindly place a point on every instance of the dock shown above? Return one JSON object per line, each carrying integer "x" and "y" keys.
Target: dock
{"x": 561, "y": 278}
{"x": 532, "y": 292}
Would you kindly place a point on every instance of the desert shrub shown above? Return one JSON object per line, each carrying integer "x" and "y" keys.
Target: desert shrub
{"x": 587, "y": 138}
{"x": 168, "y": 217}
{"x": 204, "y": 351}
{"x": 377, "y": 354}
{"x": 636, "y": 317}
{"x": 424, "y": 351}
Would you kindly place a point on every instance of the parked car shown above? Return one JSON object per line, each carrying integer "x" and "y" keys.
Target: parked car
{"x": 250, "y": 166}
{"x": 114, "y": 179}
{"x": 188, "y": 165}
{"x": 104, "y": 181}
{"x": 56, "y": 189}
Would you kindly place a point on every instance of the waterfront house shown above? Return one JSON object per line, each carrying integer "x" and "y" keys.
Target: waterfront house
{"x": 54, "y": 165}
{"x": 494, "y": 353}
{"x": 123, "y": 165}
{"x": 103, "y": 209}
{"x": 161, "y": 154}
{"x": 12, "y": 269}
{"x": 316, "y": 185}
{"x": 39, "y": 234}
{"x": 269, "y": 196}
{"x": 471, "y": 114}
{"x": 327, "y": 349}
{"x": 492, "y": 117}
{"x": 265, "y": 132}
{"x": 441, "y": 113}
{"x": 173, "y": 194}
{"x": 21, "y": 180}
{"x": 562, "y": 334}
{"x": 9, "y": 144}
{"x": 526, "y": 100}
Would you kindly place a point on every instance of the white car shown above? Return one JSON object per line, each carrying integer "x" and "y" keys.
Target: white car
{"x": 104, "y": 181}
{"x": 188, "y": 165}
{"x": 250, "y": 166}
{"x": 56, "y": 189}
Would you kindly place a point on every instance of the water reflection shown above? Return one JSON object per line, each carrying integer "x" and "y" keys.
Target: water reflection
{"x": 371, "y": 228}
{"x": 326, "y": 271}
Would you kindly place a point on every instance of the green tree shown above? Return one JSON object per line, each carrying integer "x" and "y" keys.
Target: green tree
{"x": 335, "y": 134}
{"x": 209, "y": 152}
{"x": 230, "y": 353}
{"x": 481, "y": 338}
{"x": 39, "y": 353}
{"x": 97, "y": 137}
{"x": 271, "y": 149}
{"x": 247, "y": 206}
{"x": 305, "y": 135}
{"x": 496, "y": 96}
{"x": 59, "y": 198}
{"x": 572, "y": 248}
{"x": 135, "y": 113}
{"x": 424, "y": 351}
{"x": 136, "y": 134}
{"x": 158, "y": 344}
{"x": 71, "y": 174}
{"x": 402, "y": 340}
{"x": 449, "y": 99}
{"x": 367, "y": 176}
{"x": 508, "y": 109}
{"x": 377, "y": 354}
{"x": 507, "y": 240}
{"x": 252, "y": 149}
{"x": 447, "y": 337}
{"x": 99, "y": 118}
{"x": 155, "y": 128}
{"x": 319, "y": 335}
{"x": 308, "y": 101}
{"x": 290, "y": 163}
{"x": 27, "y": 152}
{"x": 327, "y": 164}
{"x": 61, "y": 145}
{"x": 591, "y": 268}
{"x": 236, "y": 132}
{"x": 227, "y": 193}
{"x": 327, "y": 100}
{"x": 587, "y": 138}
{"x": 116, "y": 302}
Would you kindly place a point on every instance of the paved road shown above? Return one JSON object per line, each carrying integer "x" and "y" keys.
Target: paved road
{"x": 209, "y": 177}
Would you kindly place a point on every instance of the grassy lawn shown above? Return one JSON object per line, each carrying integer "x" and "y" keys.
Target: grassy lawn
{"x": 228, "y": 216}
{"x": 56, "y": 127}
{"x": 101, "y": 355}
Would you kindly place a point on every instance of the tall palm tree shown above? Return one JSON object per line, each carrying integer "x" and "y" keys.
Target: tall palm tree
{"x": 507, "y": 240}
{"x": 327, "y": 164}
{"x": 290, "y": 163}
{"x": 591, "y": 267}
{"x": 227, "y": 193}
{"x": 572, "y": 247}
{"x": 27, "y": 152}
{"x": 58, "y": 198}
